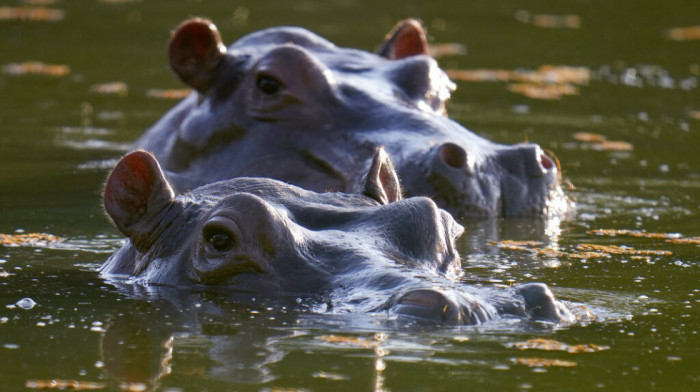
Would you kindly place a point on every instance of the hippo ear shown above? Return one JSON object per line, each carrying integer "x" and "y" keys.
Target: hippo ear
{"x": 405, "y": 40}
{"x": 135, "y": 192}
{"x": 382, "y": 182}
{"x": 195, "y": 50}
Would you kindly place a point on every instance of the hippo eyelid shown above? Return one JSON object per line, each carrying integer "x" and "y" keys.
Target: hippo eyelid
{"x": 269, "y": 85}
{"x": 219, "y": 236}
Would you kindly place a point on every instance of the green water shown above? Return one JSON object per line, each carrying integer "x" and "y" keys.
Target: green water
{"x": 58, "y": 138}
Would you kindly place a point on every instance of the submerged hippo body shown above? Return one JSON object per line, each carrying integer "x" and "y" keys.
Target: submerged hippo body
{"x": 355, "y": 252}
{"x": 287, "y": 104}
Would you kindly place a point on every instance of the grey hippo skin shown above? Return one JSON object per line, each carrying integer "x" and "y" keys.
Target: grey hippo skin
{"x": 366, "y": 252}
{"x": 287, "y": 104}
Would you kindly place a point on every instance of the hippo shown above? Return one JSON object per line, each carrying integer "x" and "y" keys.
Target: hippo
{"x": 372, "y": 251}
{"x": 284, "y": 103}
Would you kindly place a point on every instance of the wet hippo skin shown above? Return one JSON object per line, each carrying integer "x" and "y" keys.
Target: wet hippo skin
{"x": 368, "y": 252}
{"x": 284, "y": 103}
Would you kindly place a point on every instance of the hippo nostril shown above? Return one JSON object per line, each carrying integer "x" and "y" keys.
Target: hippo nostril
{"x": 546, "y": 162}
{"x": 453, "y": 155}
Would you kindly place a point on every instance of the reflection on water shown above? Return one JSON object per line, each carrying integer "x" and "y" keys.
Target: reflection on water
{"x": 610, "y": 87}
{"x": 555, "y": 82}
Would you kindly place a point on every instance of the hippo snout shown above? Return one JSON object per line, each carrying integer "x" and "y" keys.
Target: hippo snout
{"x": 525, "y": 160}
{"x": 447, "y": 307}
{"x": 453, "y": 156}
{"x": 542, "y": 305}
{"x": 475, "y": 181}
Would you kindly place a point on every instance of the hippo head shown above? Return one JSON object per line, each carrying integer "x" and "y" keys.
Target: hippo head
{"x": 262, "y": 235}
{"x": 287, "y": 104}
{"x": 373, "y": 251}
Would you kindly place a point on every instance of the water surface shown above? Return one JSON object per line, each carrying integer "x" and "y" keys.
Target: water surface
{"x": 611, "y": 88}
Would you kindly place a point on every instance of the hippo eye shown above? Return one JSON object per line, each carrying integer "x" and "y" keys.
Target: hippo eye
{"x": 268, "y": 85}
{"x": 218, "y": 239}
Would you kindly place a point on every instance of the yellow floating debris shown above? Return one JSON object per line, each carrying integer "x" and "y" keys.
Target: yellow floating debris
{"x": 30, "y": 239}
{"x": 348, "y": 340}
{"x": 543, "y": 362}
{"x": 589, "y": 255}
{"x": 622, "y": 250}
{"x": 587, "y": 251}
{"x": 545, "y": 74}
{"x": 36, "y": 68}
{"x": 549, "y": 21}
{"x": 553, "y": 345}
{"x": 588, "y": 137}
{"x": 447, "y": 49}
{"x": 32, "y": 14}
{"x": 73, "y": 385}
{"x": 543, "y": 91}
{"x": 612, "y": 145}
{"x": 546, "y": 82}
{"x": 506, "y": 243}
{"x": 683, "y": 33}
{"x": 111, "y": 88}
{"x": 168, "y": 94}
{"x": 685, "y": 241}
{"x": 599, "y": 142}
{"x": 330, "y": 376}
{"x": 633, "y": 233}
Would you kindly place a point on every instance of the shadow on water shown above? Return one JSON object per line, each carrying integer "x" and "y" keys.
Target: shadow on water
{"x": 609, "y": 87}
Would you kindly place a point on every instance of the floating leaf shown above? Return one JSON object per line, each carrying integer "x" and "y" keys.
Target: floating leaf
{"x": 684, "y": 241}
{"x": 683, "y": 33}
{"x": 331, "y": 376}
{"x": 612, "y": 145}
{"x": 545, "y": 74}
{"x": 588, "y": 137}
{"x": 168, "y": 94}
{"x": 31, "y": 239}
{"x": 543, "y": 91}
{"x": 36, "y": 68}
{"x": 447, "y": 49}
{"x": 32, "y": 14}
{"x": 589, "y": 255}
{"x": 544, "y": 362}
{"x": 112, "y": 88}
{"x": 73, "y": 385}
{"x": 507, "y": 243}
{"x": 348, "y": 340}
{"x": 599, "y": 142}
{"x": 587, "y": 251}
{"x": 553, "y": 345}
{"x": 622, "y": 250}
{"x": 633, "y": 233}
{"x": 133, "y": 386}
{"x": 547, "y": 82}
{"x": 549, "y": 21}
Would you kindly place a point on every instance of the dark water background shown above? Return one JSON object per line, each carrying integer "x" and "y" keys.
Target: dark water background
{"x": 639, "y": 89}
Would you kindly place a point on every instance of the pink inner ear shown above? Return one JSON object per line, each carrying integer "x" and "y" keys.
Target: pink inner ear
{"x": 195, "y": 50}
{"x": 129, "y": 188}
{"x": 194, "y": 39}
{"x": 135, "y": 174}
{"x": 410, "y": 41}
